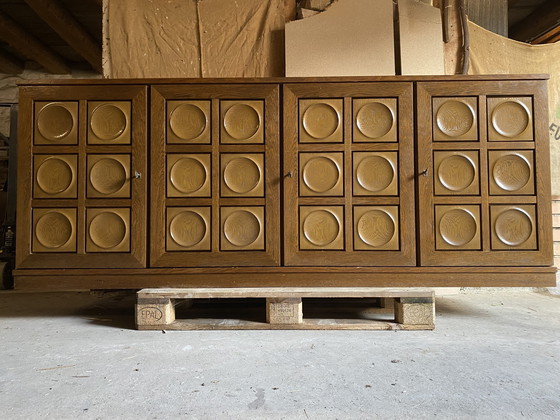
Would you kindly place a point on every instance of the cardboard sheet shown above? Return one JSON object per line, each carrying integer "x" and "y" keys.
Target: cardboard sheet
{"x": 190, "y": 38}
{"x": 421, "y": 42}
{"x": 350, "y": 38}
{"x": 493, "y": 54}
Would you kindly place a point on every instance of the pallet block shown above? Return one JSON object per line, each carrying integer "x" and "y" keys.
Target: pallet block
{"x": 413, "y": 309}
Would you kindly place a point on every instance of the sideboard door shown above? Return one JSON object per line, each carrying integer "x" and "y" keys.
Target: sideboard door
{"x": 82, "y": 177}
{"x": 483, "y": 166}
{"x": 348, "y": 174}
{"x": 215, "y": 196}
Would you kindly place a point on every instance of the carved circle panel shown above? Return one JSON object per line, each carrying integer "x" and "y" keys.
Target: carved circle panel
{"x": 513, "y": 227}
{"x": 511, "y": 172}
{"x": 321, "y": 228}
{"x": 376, "y": 228}
{"x": 458, "y": 227}
{"x": 510, "y": 118}
{"x": 188, "y": 175}
{"x": 320, "y": 120}
{"x": 107, "y": 176}
{"x": 456, "y": 172}
{"x": 188, "y": 121}
{"x": 108, "y": 122}
{"x": 242, "y": 175}
{"x": 107, "y": 230}
{"x": 53, "y": 230}
{"x": 321, "y": 174}
{"x": 242, "y": 121}
{"x": 241, "y": 228}
{"x": 188, "y": 229}
{"x": 455, "y": 118}
{"x": 375, "y": 173}
{"x": 54, "y": 176}
{"x": 374, "y": 120}
{"x": 54, "y": 122}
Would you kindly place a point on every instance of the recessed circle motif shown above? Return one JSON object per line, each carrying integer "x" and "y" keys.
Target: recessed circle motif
{"x": 54, "y": 176}
{"x": 511, "y": 172}
{"x": 107, "y": 230}
{"x": 320, "y": 120}
{"x": 108, "y": 122}
{"x": 510, "y": 118}
{"x": 242, "y": 175}
{"x": 376, "y": 228}
{"x": 242, "y": 228}
{"x": 321, "y": 227}
{"x": 54, "y": 122}
{"x": 188, "y": 121}
{"x": 53, "y": 230}
{"x": 457, "y": 227}
{"x": 187, "y": 228}
{"x": 188, "y": 175}
{"x": 375, "y": 173}
{"x": 320, "y": 174}
{"x": 513, "y": 227}
{"x": 455, "y": 118}
{"x": 242, "y": 121}
{"x": 456, "y": 172}
{"x": 107, "y": 176}
{"x": 374, "y": 120}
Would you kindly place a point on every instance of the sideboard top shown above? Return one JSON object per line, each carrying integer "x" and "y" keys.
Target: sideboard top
{"x": 282, "y": 80}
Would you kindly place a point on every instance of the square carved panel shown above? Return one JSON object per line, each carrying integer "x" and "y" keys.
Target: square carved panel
{"x": 457, "y": 227}
{"x": 56, "y": 123}
{"x": 108, "y": 176}
{"x": 456, "y": 173}
{"x": 321, "y": 121}
{"x": 108, "y": 230}
{"x": 189, "y": 175}
{"x": 321, "y": 174}
{"x": 109, "y": 122}
{"x": 242, "y": 228}
{"x": 511, "y": 172}
{"x": 188, "y": 122}
{"x": 321, "y": 228}
{"x": 242, "y": 121}
{"x": 375, "y": 120}
{"x": 54, "y": 230}
{"x": 510, "y": 119}
{"x": 55, "y": 176}
{"x": 376, "y": 228}
{"x": 242, "y": 174}
{"x": 188, "y": 229}
{"x": 513, "y": 226}
{"x": 375, "y": 173}
{"x": 455, "y": 118}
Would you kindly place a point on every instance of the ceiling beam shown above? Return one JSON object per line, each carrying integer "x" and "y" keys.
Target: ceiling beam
{"x": 9, "y": 64}
{"x": 548, "y": 37}
{"x": 29, "y": 46}
{"x": 542, "y": 19}
{"x": 69, "y": 29}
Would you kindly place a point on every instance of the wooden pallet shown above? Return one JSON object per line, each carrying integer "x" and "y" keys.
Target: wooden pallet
{"x": 399, "y": 309}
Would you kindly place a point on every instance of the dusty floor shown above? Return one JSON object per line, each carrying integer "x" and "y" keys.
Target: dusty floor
{"x": 76, "y": 355}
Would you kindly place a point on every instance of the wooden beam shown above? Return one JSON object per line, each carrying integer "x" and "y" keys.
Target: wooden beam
{"x": 9, "y": 64}
{"x": 543, "y": 18}
{"x": 548, "y": 37}
{"x": 29, "y": 46}
{"x": 69, "y": 29}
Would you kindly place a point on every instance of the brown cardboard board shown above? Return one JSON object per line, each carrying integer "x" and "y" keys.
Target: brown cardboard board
{"x": 210, "y": 38}
{"x": 421, "y": 42}
{"x": 350, "y": 38}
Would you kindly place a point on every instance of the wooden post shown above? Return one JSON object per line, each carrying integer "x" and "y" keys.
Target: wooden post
{"x": 155, "y": 312}
{"x": 415, "y": 311}
{"x": 284, "y": 311}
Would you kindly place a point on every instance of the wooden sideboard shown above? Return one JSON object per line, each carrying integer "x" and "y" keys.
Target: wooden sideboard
{"x": 380, "y": 181}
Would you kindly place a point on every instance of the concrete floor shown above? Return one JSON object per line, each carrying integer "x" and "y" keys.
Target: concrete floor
{"x": 76, "y": 355}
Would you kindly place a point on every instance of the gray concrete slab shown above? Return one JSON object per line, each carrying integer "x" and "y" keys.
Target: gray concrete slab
{"x": 76, "y": 355}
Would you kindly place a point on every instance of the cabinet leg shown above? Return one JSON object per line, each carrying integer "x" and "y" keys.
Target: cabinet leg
{"x": 284, "y": 311}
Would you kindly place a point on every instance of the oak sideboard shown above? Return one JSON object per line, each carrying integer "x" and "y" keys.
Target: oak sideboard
{"x": 369, "y": 181}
